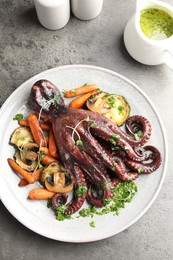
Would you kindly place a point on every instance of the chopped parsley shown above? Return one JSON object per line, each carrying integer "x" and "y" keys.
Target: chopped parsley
{"x": 123, "y": 193}
{"x": 81, "y": 190}
{"x": 111, "y": 101}
{"x": 60, "y": 213}
{"x": 55, "y": 100}
{"x": 92, "y": 224}
{"x": 121, "y": 108}
{"x": 18, "y": 117}
{"x": 116, "y": 136}
{"x": 49, "y": 203}
{"x": 138, "y": 134}
{"x": 139, "y": 170}
{"x": 113, "y": 138}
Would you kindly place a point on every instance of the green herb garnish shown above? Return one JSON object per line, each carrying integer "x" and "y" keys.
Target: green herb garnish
{"x": 123, "y": 193}
{"x": 81, "y": 190}
{"x": 121, "y": 108}
{"x": 18, "y": 117}
{"x": 49, "y": 203}
{"x": 139, "y": 170}
{"x": 60, "y": 213}
{"x": 80, "y": 143}
{"x": 138, "y": 134}
{"x": 92, "y": 224}
{"x": 111, "y": 101}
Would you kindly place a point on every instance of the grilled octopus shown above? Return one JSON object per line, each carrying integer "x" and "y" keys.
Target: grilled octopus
{"x": 94, "y": 151}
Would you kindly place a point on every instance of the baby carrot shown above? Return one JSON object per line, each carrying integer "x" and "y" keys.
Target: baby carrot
{"x": 47, "y": 159}
{"x": 36, "y": 130}
{"x": 40, "y": 194}
{"x": 44, "y": 150}
{"x": 81, "y": 90}
{"x": 52, "y": 145}
{"x": 23, "y": 182}
{"x": 35, "y": 174}
{"x": 47, "y": 139}
{"x": 80, "y": 101}
{"x": 27, "y": 176}
{"x": 43, "y": 126}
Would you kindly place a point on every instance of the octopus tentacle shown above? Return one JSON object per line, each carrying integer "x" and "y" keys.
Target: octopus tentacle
{"x": 78, "y": 199}
{"x": 94, "y": 151}
{"x": 136, "y": 123}
{"x": 121, "y": 171}
{"x": 59, "y": 199}
{"x": 96, "y": 199}
{"x": 140, "y": 121}
{"x": 102, "y": 131}
{"x": 146, "y": 167}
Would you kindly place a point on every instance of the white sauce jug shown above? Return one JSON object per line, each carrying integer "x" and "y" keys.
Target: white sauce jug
{"x": 142, "y": 48}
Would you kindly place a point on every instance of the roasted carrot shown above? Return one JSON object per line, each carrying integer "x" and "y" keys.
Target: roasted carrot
{"x": 36, "y": 131}
{"x": 40, "y": 194}
{"x": 23, "y": 182}
{"x": 47, "y": 159}
{"x": 81, "y": 90}
{"x": 80, "y": 101}
{"x": 26, "y": 175}
{"x": 52, "y": 145}
{"x": 43, "y": 126}
{"x": 44, "y": 150}
{"x": 47, "y": 139}
{"x": 35, "y": 174}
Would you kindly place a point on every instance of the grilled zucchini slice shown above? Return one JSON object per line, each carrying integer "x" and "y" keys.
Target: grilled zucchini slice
{"x": 21, "y": 136}
{"x": 112, "y": 106}
{"x": 27, "y": 165}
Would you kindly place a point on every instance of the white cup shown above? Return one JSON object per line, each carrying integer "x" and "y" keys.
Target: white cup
{"x": 86, "y": 9}
{"x": 53, "y": 14}
{"x": 142, "y": 48}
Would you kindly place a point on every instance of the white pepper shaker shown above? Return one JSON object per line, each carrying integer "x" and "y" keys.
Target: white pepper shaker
{"x": 53, "y": 14}
{"x": 86, "y": 9}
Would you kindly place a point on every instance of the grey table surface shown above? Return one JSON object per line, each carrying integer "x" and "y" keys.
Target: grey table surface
{"x": 27, "y": 49}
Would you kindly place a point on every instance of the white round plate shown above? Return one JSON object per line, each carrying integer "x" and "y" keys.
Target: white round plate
{"x": 34, "y": 214}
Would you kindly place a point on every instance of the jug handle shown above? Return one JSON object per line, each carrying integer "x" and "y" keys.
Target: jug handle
{"x": 169, "y": 58}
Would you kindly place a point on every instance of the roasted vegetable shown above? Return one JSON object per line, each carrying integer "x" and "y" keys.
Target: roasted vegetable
{"x": 21, "y": 136}
{"x": 29, "y": 152}
{"x": 49, "y": 170}
{"x": 58, "y": 184}
{"x": 54, "y": 179}
{"x": 27, "y": 165}
{"x": 113, "y": 106}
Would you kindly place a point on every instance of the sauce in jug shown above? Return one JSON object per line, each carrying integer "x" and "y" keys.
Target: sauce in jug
{"x": 156, "y": 24}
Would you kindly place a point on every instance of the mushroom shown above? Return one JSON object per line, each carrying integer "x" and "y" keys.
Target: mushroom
{"x": 58, "y": 184}
{"x": 26, "y": 157}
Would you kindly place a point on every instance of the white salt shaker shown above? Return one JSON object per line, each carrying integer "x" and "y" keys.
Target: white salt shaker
{"x": 53, "y": 14}
{"x": 86, "y": 9}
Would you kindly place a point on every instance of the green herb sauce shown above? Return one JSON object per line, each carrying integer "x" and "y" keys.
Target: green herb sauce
{"x": 156, "y": 24}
